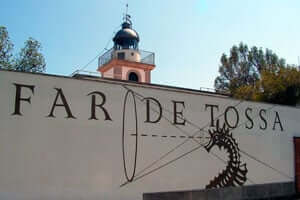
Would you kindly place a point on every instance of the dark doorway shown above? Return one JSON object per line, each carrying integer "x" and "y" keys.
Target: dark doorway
{"x": 133, "y": 77}
{"x": 297, "y": 162}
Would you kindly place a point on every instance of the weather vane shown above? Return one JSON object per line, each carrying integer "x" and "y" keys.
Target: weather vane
{"x": 127, "y": 17}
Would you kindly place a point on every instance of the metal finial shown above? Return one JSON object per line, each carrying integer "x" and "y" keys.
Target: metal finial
{"x": 127, "y": 17}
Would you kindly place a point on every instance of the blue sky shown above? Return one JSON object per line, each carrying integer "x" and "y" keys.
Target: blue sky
{"x": 188, "y": 37}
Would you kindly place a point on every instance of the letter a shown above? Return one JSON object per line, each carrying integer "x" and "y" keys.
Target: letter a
{"x": 64, "y": 104}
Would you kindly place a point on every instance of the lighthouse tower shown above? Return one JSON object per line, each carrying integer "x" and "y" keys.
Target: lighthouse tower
{"x": 125, "y": 61}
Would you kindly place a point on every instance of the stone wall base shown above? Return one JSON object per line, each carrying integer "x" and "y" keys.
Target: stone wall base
{"x": 274, "y": 191}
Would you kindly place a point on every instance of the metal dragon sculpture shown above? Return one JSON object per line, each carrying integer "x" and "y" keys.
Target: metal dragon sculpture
{"x": 235, "y": 172}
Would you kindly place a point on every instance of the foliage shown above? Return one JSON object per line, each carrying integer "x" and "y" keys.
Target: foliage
{"x": 282, "y": 87}
{"x": 246, "y": 92}
{"x": 257, "y": 75}
{"x": 243, "y": 67}
{"x": 5, "y": 49}
{"x": 30, "y": 59}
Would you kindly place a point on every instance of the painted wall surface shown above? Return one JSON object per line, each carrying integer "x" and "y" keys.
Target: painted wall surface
{"x": 130, "y": 54}
{"x": 64, "y": 138}
{"x": 127, "y": 70}
{"x": 109, "y": 73}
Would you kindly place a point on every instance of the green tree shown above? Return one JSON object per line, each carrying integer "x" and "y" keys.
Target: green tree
{"x": 6, "y": 48}
{"x": 260, "y": 76}
{"x": 282, "y": 87}
{"x": 243, "y": 67}
{"x": 30, "y": 59}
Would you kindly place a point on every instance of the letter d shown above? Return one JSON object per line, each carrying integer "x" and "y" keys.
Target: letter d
{"x": 148, "y": 100}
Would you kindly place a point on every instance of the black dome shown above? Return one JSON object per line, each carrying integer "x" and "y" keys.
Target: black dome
{"x": 126, "y": 37}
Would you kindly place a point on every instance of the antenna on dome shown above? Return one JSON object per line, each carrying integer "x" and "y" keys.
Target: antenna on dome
{"x": 127, "y": 17}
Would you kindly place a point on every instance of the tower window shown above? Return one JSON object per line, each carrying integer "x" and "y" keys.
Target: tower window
{"x": 121, "y": 56}
{"x": 133, "y": 77}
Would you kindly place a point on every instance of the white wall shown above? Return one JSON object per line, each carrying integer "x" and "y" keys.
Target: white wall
{"x": 130, "y": 54}
{"x": 63, "y": 158}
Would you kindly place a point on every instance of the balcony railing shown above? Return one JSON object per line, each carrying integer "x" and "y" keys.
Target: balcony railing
{"x": 146, "y": 57}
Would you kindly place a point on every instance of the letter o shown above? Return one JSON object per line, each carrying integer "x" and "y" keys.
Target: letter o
{"x": 226, "y": 117}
